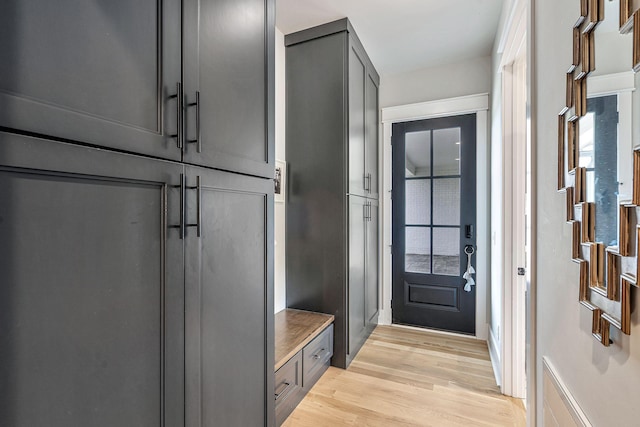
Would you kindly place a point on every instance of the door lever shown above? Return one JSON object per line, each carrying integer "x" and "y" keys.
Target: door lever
{"x": 468, "y": 231}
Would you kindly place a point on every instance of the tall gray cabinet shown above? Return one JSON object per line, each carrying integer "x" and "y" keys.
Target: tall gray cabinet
{"x": 332, "y": 203}
{"x": 136, "y": 213}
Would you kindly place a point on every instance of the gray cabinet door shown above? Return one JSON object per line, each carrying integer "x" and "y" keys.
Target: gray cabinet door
{"x": 357, "y": 79}
{"x": 229, "y": 303}
{"x": 91, "y": 288}
{"x": 371, "y": 136}
{"x": 372, "y": 289}
{"x": 358, "y": 208}
{"x": 97, "y": 72}
{"x": 229, "y": 84}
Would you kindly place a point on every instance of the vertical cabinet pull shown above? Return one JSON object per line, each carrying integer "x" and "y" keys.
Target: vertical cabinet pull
{"x": 178, "y": 96}
{"x": 183, "y": 206}
{"x": 197, "y": 140}
{"x": 181, "y": 186}
{"x": 366, "y": 180}
{"x": 198, "y": 224}
{"x": 369, "y": 182}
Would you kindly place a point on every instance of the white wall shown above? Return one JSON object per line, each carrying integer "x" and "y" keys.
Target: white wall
{"x": 603, "y": 381}
{"x": 279, "y": 226}
{"x": 447, "y": 81}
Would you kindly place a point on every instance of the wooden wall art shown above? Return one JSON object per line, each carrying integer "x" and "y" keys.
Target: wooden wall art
{"x": 602, "y": 268}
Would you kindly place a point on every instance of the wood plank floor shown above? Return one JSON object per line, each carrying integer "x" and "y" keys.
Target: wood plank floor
{"x": 404, "y": 377}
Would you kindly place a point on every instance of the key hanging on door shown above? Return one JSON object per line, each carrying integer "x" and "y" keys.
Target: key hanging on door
{"x": 469, "y": 250}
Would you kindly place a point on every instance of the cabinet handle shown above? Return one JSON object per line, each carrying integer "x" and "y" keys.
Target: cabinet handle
{"x": 198, "y": 189}
{"x": 366, "y": 180}
{"x": 197, "y": 140}
{"x": 369, "y": 183}
{"x": 178, "y": 96}
{"x": 317, "y": 355}
{"x": 286, "y": 387}
{"x": 181, "y": 186}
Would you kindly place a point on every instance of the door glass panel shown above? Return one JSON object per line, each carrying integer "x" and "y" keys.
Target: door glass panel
{"x": 418, "y": 154}
{"x": 446, "y": 152}
{"x": 446, "y": 251}
{"x": 418, "y": 249}
{"x": 446, "y": 201}
{"x": 418, "y": 202}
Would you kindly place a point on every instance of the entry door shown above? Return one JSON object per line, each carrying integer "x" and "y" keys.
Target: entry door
{"x": 434, "y": 215}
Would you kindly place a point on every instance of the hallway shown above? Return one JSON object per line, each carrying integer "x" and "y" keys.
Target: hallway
{"x": 405, "y": 377}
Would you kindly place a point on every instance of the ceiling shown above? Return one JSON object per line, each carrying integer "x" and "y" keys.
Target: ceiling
{"x": 404, "y": 35}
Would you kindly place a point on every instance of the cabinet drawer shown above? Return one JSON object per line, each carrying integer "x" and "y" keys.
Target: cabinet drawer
{"x": 316, "y": 356}
{"x": 288, "y": 387}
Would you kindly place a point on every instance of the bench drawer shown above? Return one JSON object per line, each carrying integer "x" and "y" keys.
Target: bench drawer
{"x": 288, "y": 387}
{"x": 316, "y": 357}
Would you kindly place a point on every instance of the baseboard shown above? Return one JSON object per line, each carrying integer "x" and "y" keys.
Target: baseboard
{"x": 494, "y": 353}
{"x": 385, "y": 317}
{"x": 559, "y": 404}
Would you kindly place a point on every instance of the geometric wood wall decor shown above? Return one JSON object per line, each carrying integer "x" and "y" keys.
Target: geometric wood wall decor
{"x": 601, "y": 267}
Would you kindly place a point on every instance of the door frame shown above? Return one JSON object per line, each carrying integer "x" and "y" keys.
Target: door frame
{"x": 478, "y": 104}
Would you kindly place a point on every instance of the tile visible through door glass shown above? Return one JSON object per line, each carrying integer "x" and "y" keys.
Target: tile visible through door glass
{"x": 446, "y": 201}
{"x": 417, "y": 202}
{"x": 446, "y": 251}
{"x": 417, "y": 250}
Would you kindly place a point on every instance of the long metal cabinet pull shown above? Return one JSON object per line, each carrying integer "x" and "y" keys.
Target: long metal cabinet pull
{"x": 199, "y": 185}
{"x": 198, "y": 189}
{"x": 179, "y": 100}
{"x": 182, "y": 186}
{"x": 366, "y": 180}
{"x": 197, "y": 140}
{"x": 369, "y": 182}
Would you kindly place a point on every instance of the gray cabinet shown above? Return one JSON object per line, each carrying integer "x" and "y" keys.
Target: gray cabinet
{"x": 98, "y": 73}
{"x": 332, "y": 133}
{"x": 229, "y": 84}
{"x": 363, "y": 271}
{"x": 91, "y": 289}
{"x": 229, "y": 299}
{"x": 185, "y": 80}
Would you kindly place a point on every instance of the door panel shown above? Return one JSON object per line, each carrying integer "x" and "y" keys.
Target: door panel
{"x": 357, "y": 272}
{"x": 91, "y": 300}
{"x": 229, "y": 60}
{"x": 434, "y": 211}
{"x": 229, "y": 300}
{"x": 371, "y": 137}
{"x": 372, "y": 291}
{"x": 357, "y": 75}
{"x": 96, "y": 72}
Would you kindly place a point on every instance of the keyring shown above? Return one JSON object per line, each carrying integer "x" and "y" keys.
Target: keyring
{"x": 473, "y": 250}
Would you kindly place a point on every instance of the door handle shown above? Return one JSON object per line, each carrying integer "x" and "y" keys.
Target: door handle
{"x": 197, "y": 140}
{"x": 468, "y": 231}
{"x": 178, "y": 96}
{"x": 181, "y": 186}
{"x": 198, "y": 224}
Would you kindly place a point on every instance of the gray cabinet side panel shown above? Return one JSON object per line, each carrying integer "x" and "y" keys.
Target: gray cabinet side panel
{"x": 316, "y": 154}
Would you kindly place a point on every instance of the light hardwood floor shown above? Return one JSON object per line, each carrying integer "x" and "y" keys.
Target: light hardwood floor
{"x": 404, "y": 377}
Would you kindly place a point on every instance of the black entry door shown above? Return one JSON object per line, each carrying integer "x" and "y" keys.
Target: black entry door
{"x": 434, "y": 215}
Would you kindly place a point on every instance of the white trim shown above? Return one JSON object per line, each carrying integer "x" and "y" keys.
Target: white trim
{"x": 479, "y": 105}
{"x": 494, "y": 353}
{"x": 512, "y": 333}
{"x": 610, "y": 84}
{"x": 578, "y": 415}
{"x": 440, "y": 108}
